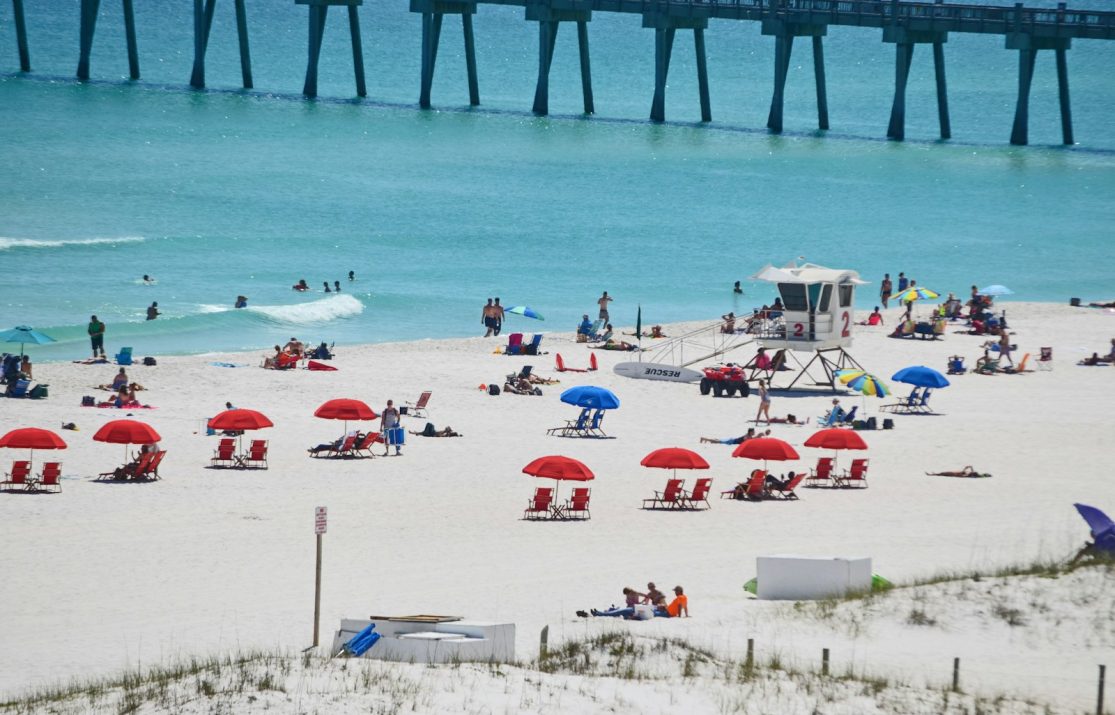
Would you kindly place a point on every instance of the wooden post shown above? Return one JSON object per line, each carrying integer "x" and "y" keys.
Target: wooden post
{"x": 543, "y": 642}
{"x": 956, "y": 675}
{"x": 317, "y": 591}
{"x": 586, "y": 72}
{"x": 357, "y": 51}
{"x": 1020, "y": 132}
{"x": 21, "y": 36}
{"x": 1063, "y": 94}
{"x": 824, "y": 661}
{"x": 245, "y": 52}
{"x": 942, "y": 90}
{"x": 819, "y": 76}
{"x": 750, "y": 662}
{"x": 702, "y": 74}
{"x": 130, "y": 34}
{"x": 470, "y": 59}
{"x": 1099, "y": 695}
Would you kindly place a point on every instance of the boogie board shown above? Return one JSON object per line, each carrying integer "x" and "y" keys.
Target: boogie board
{"x": 656, "y": 371}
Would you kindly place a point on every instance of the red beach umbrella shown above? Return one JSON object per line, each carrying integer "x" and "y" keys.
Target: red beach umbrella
{"x": 836, "y": 439}
{"x": 559, "y": 469}
{"x": 766, "y": 448}
{"x": 240, "y": 420}
{"x": 126, "y": 432}
{"x": 345, "y": 409}
{"x": 32, "y": 438}
{"x": 674, "y": 458}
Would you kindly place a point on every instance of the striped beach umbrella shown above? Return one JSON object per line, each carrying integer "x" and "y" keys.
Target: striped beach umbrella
{"x": 863, "y": 382}
{"x": 911, "y": 294}
{"x": 525, "y": 311}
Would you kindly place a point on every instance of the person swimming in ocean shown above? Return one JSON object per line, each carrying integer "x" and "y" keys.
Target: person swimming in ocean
{"x": 352, "y": 275}
{"x": 300, "y": 286}
{"x": 153, "y": 311}
{"x": 148, "y": 279}
{"x": 336, "y": 286}
{"x": 241, "y": 302}
{"x": 327, "y": 290}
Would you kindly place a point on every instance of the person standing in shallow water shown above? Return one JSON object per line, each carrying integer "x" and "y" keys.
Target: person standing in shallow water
{"x": 153, "y": 311}
{"x": 97, "y": 335}
{"x": 497, "y": 313}
{"x": 487, "y": 319}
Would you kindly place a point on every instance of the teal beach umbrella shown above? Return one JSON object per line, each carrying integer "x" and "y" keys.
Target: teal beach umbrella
{"x": 525, "y": 311}
{"x": 24, "y": 334}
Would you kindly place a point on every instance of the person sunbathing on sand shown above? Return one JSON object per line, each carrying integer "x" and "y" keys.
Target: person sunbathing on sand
{"x": 730, "y": 440}
{"x": 1102, "y": 305}
{"x": 967, "y": 471}
{"x": 631, "y": 598}
{"x": 520, "y": 386}
{"x": 787, "y": 420}
{"x": 1092, "y": 361}
{"x": 615, "y": 345}
{"x": 431, "y": 432}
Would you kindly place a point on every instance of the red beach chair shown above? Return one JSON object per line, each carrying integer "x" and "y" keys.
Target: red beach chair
{"x": 856, "y": 476}
{"x": 365, "y": 446}
{"x": 256, "y": 458}
{"x": 700, "y": 494}
{"x": 577, "y": 506}
{"x": 787, "y": 492}
{"x": 821, "y": 474}
{"x": 17, "y": 478}
{"x": 48, "y": 480}
{"x": 418, "y": 409}
{"x": 539, "y": 506}
{"x": 225, "y": 455}
{"x": 670, "y": 498}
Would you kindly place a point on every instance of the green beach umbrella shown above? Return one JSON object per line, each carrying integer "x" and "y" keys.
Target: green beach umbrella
{"x": 639, "y": 324}
{"x": 525, "y": 311}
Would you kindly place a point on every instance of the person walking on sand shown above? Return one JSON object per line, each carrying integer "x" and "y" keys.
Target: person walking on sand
{"x": 389, "y": 420}
{"x": 603, "y": 303}
{"x": 1004, "y": 347}
{"x": 97, "y": 335}
{"x": 885, "y": 290}
{"x": 487, "y": 319}
{"x": 497, "y": 313}
{"x": 764, "y": 402}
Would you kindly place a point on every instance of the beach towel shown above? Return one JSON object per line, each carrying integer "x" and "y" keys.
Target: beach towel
{"x": 315, "y": 365}
{"x": 228, "y": 364}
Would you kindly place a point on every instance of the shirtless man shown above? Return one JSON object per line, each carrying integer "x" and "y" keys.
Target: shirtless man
{"x": 294, "y": 347}
{"x": 603, "y": 303}
{"x": 487, "y": 319}
{"x": 497, "y": 313}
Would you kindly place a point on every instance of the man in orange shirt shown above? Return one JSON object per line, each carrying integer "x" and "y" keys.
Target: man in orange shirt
{"x": 678, "y": 607}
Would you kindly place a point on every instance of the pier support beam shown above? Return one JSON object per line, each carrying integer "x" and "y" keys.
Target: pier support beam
{"x": 904, "y": 41}
{"x": 433, "y": 11}
{"x": 89, "y": 10}
{"x": 665, "y": 28}
{"x": 319, "y": 10}
{"x": 784, "y": 33}
{"x": 549, "y": 20}
{"x": 1028, "y": 46}
{"x": 21, "y": 36}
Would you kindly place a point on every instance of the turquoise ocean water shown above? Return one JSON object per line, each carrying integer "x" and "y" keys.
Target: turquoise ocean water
{"x": 224, "y": 192}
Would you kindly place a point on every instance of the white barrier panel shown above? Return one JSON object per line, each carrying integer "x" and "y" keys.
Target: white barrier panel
{"x": 424, "y": 642}
{"x": 794, "y": 578}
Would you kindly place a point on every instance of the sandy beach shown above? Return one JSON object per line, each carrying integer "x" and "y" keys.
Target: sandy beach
{"x": 105, "y": 576}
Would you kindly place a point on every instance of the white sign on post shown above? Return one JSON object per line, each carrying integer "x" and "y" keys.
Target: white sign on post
{"x": 319, "y": 520}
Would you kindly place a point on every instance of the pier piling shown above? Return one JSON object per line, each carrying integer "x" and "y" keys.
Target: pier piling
{"x": 549, "y": 20}
{"x": 433, "y": 12}
{"x": 904, "y": 39}
{"x": 21, "y": 36}
{"x": 665, "y": 28}
{"x": 784, "y": 32}
{"x": 318, "y": 12}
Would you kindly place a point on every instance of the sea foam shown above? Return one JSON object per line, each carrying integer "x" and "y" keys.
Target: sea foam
{"x": 7, "y": 244}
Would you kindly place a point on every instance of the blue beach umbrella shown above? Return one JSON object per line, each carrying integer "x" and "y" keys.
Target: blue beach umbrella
{"x": 23, "y": 334}
{"x": 920, "y": 376}
{"x": 994, "y": 290}
{"x": 591, "y": 397}
{"x": 525, "y": 311}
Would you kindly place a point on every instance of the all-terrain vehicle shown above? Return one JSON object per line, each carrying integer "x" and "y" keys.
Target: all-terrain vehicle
{"x": 725, "y": 381}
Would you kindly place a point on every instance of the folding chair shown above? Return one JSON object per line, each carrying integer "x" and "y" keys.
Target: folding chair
{"x": 1045, "y": 359}
{"x": 670, "y": 498}
{"x": 539, "y": 506}
{"x": 48, "y": 480}
{"x": 418, "y": 409}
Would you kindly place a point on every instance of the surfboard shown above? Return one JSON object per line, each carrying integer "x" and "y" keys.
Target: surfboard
{"x": 656, "y": 371}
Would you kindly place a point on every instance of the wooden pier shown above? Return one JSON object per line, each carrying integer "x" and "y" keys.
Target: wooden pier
{"x": 903, "y": 24}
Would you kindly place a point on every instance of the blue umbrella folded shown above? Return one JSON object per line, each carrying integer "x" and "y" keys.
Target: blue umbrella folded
{"x": 590, "y": 396}
{"x": 920, "y": 376}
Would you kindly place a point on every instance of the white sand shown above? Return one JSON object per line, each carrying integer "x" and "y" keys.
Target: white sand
{"x": 105, "y": 576}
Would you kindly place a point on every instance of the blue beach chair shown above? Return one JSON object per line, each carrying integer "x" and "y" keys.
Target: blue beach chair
{"x": 572, "y": 427}
{"x": 124, "y": 357}
{"x": 1102, "y": 530}
{"x": 361, "y": 642}
{"x": 594, "y": 429}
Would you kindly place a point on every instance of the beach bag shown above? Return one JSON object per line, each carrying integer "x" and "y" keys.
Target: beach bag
{"x": 859, "y": 424}
{"x": 430, "y": 430}
{"x": 888, "y": 423}
{"x": 643, "y": 612}
{"x": 149, "y": 361}
{"x": 493, "y": 389}
{"x": 538, "y": 391}
{"x": 37, "y": 392}
{"x": 1074, "y": 302}
{"x": 88, "y": 401}
{"x": 871, "y": 423}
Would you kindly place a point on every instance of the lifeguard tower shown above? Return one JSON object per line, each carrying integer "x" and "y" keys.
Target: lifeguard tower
{"x": 817, "y": 317}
